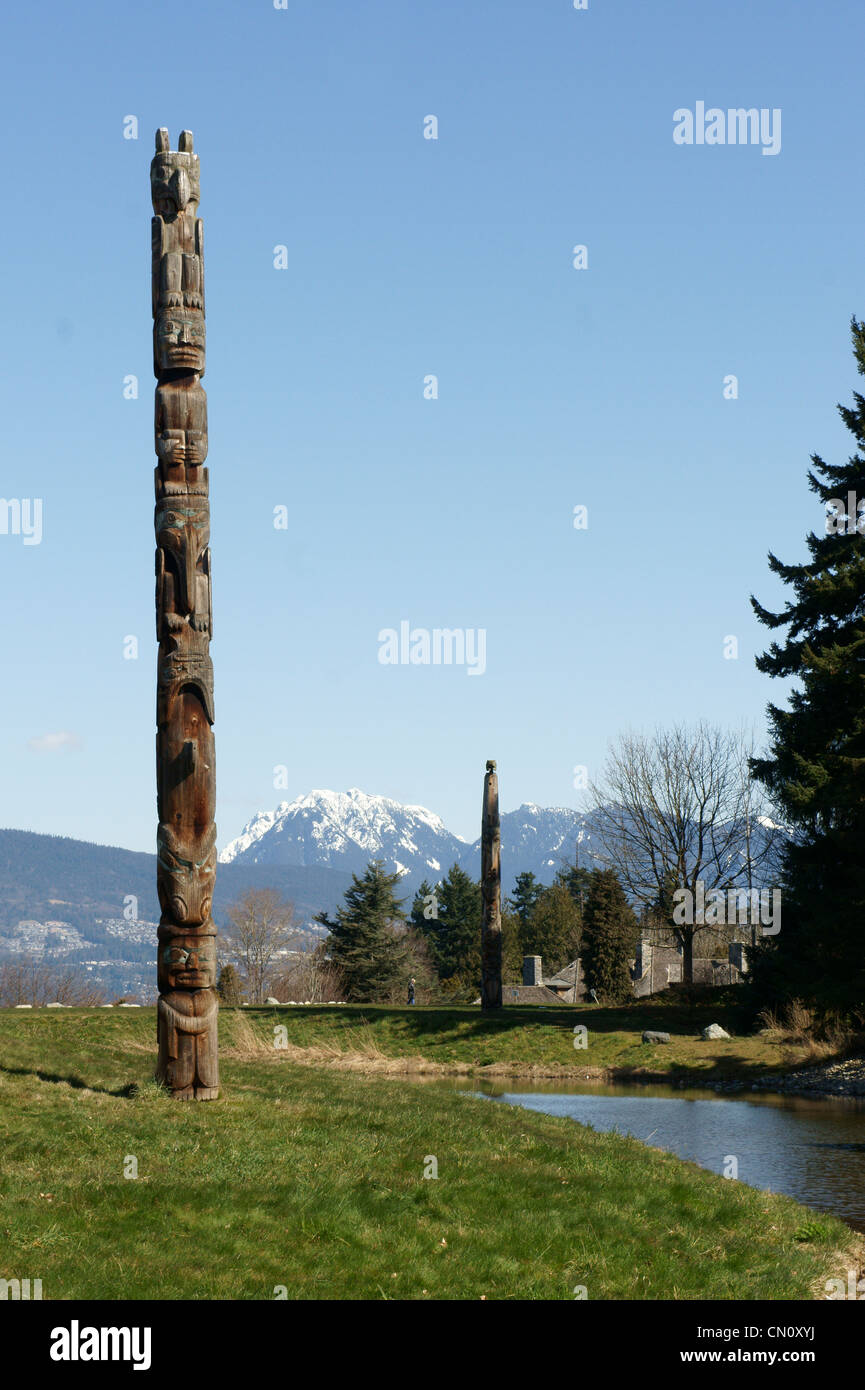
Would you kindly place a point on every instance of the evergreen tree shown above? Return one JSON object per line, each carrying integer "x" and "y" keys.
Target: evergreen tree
{"x": 424, "y": 908}
{"x": 524, "y": 898}
{"x": 228, "y": 987}
{"x": 816, "y": 764}
{"x": 363, "y": 943}
{"x": 512, "y": 949}
{"x": 609, "y": 938}
{"x": 553, "y": 929}
{"x": 455, "y": 934}
{"x": 577, "y": 881}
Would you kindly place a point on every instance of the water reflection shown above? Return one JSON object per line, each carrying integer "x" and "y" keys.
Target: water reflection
{"x": 807, "y": 1148}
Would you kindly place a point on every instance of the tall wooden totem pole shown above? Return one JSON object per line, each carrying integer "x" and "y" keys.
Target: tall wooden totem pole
{"x": 491, "y": 894}
{"x": 185, "y": 776}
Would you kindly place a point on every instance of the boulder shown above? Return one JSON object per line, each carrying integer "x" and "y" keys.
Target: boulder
{"x": 651, "y": 1037}
{"x": 713, "y": 1031}
{"x": 270, "y": 1000}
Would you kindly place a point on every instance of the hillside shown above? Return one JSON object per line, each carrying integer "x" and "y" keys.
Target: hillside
{"x": 46, "y": 877}
{"x": 312, "y": 1181}
{"x": 62, "y": 902}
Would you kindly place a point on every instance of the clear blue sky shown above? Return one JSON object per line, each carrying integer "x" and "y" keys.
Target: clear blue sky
{"x": 408, "y": 257}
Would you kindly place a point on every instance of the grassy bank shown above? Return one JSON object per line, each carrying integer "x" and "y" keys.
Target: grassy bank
{"x": 312, "y": 1178}
{"x": 534, "y": 1041}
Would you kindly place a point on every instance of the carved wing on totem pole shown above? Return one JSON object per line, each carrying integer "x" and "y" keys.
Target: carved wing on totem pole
{"x": 185, "y": 758}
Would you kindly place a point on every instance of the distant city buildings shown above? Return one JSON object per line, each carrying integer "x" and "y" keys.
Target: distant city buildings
{"x": 59, "y": 943}
{"x": 37, "y": 938}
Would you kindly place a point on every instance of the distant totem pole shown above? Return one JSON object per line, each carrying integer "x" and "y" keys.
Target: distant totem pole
{"x": 185, "y": 774}
{"x": 491, "y": 894}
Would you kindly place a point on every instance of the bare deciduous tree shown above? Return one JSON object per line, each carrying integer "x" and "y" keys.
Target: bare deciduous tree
{"x": 309, "y": 977}
{"x": 38, "y": 982}
{"x": 679, "y": 807}
{"x": 261, "y": 927}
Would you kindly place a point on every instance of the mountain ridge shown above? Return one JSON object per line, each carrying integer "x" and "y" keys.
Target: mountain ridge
{"x": 347, "y": 829}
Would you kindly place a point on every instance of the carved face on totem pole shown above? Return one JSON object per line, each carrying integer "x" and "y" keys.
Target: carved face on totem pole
{"x": 184, "y": 883}
{"x": 186, "y": 962}
{"x": 175, "y": 180}
{"x": 178, "y": 340}
{"x": 177, "y": 253}
{"x": 183, "y": 536}
{"x": 184, "y": 663}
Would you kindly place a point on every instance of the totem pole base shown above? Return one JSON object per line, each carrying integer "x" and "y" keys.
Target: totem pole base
{"x": 187, "y": 1034}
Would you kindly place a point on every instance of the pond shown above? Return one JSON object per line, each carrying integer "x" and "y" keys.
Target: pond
{"x": 811, "y": 1149}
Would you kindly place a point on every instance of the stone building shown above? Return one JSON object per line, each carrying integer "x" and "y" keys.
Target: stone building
{"x": 568, "y": 984}
{"x": 656, "y": 966}
{"x": 532, "y": 990}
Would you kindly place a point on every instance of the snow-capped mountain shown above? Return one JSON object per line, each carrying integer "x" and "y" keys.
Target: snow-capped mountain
{"x": 344, "y": 830}
{"x": 541, "y": 839}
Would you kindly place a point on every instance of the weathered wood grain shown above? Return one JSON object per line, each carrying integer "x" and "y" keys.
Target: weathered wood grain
{"x": 185, "y": 757}
{"x": 491, "y": 894}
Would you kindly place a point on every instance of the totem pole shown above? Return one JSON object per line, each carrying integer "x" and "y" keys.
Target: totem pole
{"x": 491, "y": 894}
{"x": 185, "y": 777}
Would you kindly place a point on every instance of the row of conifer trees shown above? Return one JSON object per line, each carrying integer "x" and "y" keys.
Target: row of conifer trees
{"x": 378, "y": 944}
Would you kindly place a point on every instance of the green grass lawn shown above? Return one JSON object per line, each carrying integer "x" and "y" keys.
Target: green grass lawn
{"x": 312, "y": 1178}
{"x": 535, "y": 1040}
